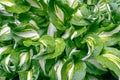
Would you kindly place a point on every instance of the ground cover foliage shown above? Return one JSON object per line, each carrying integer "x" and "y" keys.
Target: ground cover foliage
{"x": 59, "y": 39}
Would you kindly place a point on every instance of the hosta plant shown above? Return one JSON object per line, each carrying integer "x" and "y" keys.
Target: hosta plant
{"x": 59, "y": 39}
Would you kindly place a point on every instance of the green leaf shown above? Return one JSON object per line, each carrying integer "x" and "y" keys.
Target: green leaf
{"x": 59, "y": 48}
{"x": 48, "y": 42}
{"x": 93, "y": 67}
{"x": 65, "y": 72}
{"x": 53, "y": 18}
{"x": 6, "y": 37}
{"x": 110, "y": 40}
{"x": 3, "y": 73}
{"x": 27, "y": 43}
{"x": 25, "y": 61}
{"x": 111, "y": 50}
{"x": 79, "y": 32}
{"x": 26, "y": 75}
{"x": 79, "y": 71}
{"x": 35, "y": 70}
{"x": 95, "y": 43}
{"x": 79, "y": 18}
{"x": 28, "y": 34}
{"x": 5, "y": 50}
{"x": 110, "y": 61}
{"x": 69, "y": 46}
{"x": 59, "y": 39}
{"x": 73, "y": 70}
{"x": 52, "y": 74}
{"x": 15, "y": 7}
{"x": 79, "y": 22}
{"x": 90, "y": 77}
{"x": 115, "y": 12}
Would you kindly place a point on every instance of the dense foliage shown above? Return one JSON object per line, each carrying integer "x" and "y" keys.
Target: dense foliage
{"x": 59, "y": 39}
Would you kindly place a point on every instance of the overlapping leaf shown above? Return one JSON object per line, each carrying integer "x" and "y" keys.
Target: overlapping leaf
{"x": 59, "y": 39}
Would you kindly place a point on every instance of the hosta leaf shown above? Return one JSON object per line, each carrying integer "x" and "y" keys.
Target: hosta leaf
{"x": 115, "y": 12}
{"x": 5, "y": 50}
{"x": 79, "y": 32}
{"x": 33, "y": 3}
{"x": 60, "y": 13}
{"x": 79, "y": 17}
{"x": 6, "y": 37}
{"x": 59, "y": 39}
{"x": 65, "y": 72}
{"x": 48, "y": 42}
{"x": 69, "y": 46}
{"x": 69, "y": 3}
{"x": 110, "y": 61}
{"x": 93, "y": 67}
{"x": 66, "y": 7}
{"x": 96, "y": 44}
{"x": 52, "y": 74}
{"x": 110, "y": 40}
{"x": 35, "y": 70}
{"x": 53, "y": 18}
{"x": 25, "y": 61}
{"x": 2, "y": 73}
{"x": 28, "y": 34}
{"x": 7, "y": 2}
{"x": 90, "y": 77}
{"x": 73, "y": 70}
{"x": 28, "y": 43}
{"x": 15, "y": 7}
{"x": 5, "y": 63}
{"x": 79, "y": 22}
{"x": 27, "y": 75}
{"x": 51, "y": 30}
{"x": 15, "y": 59}
{"x": 79, "y": 71}
{"x": 4, "y": 30}
{"x": 110, "y": 50}
{"x": 59, "y": 48}
{"x": 58, "y": 69}
{"x": 18, "y": 8}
